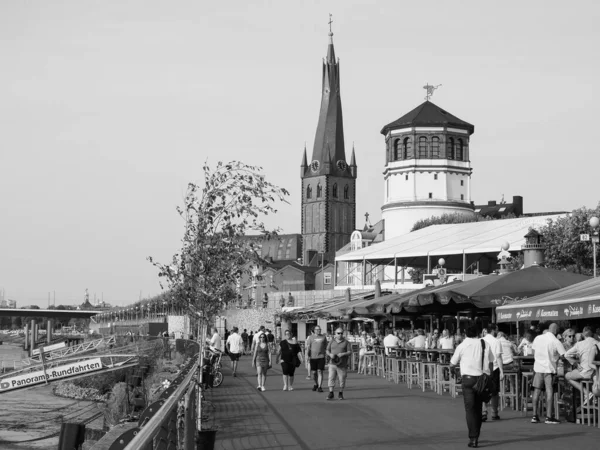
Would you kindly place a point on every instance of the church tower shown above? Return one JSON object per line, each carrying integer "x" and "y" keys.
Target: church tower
{"x": 328, "y": 181}
{"x": 428, "y": 168}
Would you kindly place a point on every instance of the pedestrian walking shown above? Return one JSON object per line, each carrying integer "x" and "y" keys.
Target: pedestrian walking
{"x": 339, "y": 351}
{"x": 475, "y": 358}
{"x": 489, "y": 335}
{"x": 261, "y": 359}
{"x": 289, "y": 354}
{"x": 245, "y": 339}
{"x": 307, "y": 359}
{"x": 316, "y": 346}
{"x": 235, "y": 347}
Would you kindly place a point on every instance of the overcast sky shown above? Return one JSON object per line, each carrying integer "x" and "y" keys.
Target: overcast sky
{"x": 109, "y": 108}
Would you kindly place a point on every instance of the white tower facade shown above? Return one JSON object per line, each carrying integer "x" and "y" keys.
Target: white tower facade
{"x": 428, "y": 169}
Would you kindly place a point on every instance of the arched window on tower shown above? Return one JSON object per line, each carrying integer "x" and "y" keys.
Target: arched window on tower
{"x": 334, "y": 191}
{"x": 459, "y": 150}
{"x": 308, "y": 191}
{"x": 450, "y": 149}
{"x": 406, "y": 148}
{"x": 346, "y": 192}
{"x": 422, "y": 147}
{"x": 435, "y": 147}
{"x": 397, "y": 149}
{"x": 319, "y": 190}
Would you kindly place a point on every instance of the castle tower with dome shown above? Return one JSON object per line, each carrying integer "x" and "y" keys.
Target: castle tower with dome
{"x": 428, "y": 168}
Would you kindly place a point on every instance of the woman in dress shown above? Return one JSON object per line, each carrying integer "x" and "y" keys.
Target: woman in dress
{"x": 261, "y": 359}
{"x": 288, "y": 349}
{"x": 362, "y": 351}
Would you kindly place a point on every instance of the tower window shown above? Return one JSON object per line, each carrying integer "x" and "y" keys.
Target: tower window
{"x": 334, "y": 191}
{"x": 430, "y": 195}
{"x": 435, "y": 147}
{"x": 346, "y": 192}
{"x": 462, "y": 182}
{"x": 459, "y": 150}
{"x": 406, "y": 177}
{"x": 308, "y": 191}
{"x": 462, "y": 196}
{"x": 405, "y": 148}
{"x": 319, "y": 190}
{"x": 450, "y": 149}
{"x": 397, "y": 150}
{"x": 435, "y": 176}
{"x": 422, "y": 147}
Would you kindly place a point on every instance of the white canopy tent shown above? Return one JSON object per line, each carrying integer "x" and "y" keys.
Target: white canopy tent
{"x": 461, "y": 245}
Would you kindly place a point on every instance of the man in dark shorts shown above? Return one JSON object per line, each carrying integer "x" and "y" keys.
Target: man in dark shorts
{"x": 245, "y": 339}
{"x": 235, "y": 347}
{"x": 316, "y": 346}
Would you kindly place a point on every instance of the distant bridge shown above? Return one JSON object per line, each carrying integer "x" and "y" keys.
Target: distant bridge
{"x": 48, "y": 313}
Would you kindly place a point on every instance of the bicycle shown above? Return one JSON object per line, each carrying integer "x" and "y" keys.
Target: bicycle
{"x": 211, "y": 368}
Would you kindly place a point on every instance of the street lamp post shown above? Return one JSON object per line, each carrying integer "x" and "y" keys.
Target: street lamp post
{"x": 594, "y": 222}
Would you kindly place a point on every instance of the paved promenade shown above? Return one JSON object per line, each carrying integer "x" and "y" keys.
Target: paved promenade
{"x": 376, "y": 414}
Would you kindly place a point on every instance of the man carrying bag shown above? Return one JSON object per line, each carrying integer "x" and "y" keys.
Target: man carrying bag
{"x": 476, "y": 361}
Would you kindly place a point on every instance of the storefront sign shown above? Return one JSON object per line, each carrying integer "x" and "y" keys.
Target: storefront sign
{"x": 505, "y": 316}
{"x": 55, "y": 373}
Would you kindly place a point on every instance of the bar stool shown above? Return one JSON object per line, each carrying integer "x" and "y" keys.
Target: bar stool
{"x": 402, "y": 369}
{"x": 428, "y": 375}
{"x": 526, "y": 392}
{"x": 512, "y": 394}
{"x": 391, "y": 369}
{"x": 380, "y": 361}
{"x": 371, "y": 362}
{"x": 444, "y": 380}
{"x": 412, "y": 372}
{"x": 587, "y": 411}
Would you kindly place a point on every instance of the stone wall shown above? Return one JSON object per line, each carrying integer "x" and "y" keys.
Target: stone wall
{"x": 250, "y": 319}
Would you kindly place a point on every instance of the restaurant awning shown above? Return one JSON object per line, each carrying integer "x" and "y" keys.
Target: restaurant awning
{"x": 578, "y": 301}
{"x": 496, "y": 290}
{"x": 359, "y": 306}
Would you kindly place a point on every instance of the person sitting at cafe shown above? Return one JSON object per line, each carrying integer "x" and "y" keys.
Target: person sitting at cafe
{"x": 525, "y": 345}
{"x": 432, "y": 339}
{"x": 509, "y": 350}
{"x": 391, "y": 341}
{"x": 585, "y": 352}
{"x": 446, "y": 342}
{"x": 568, "y": 338}
{"x": 418, "y": 341}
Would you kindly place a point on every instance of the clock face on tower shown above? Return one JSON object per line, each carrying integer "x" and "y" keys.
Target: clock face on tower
{"x": 342, "y": 165}
{"x": 314, "y": 166}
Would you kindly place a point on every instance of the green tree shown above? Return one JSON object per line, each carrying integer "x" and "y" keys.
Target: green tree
{"x": 214, "y": 253}
{"x": 564, "y": 249}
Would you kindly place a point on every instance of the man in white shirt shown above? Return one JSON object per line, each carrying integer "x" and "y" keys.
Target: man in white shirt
{"x": 509, "y": 350}
{"x": 215, "y": 340}
{"x": 446, "y": 342}
{"x": 585, "y": 352}
{"x": 475, "y": 359}
{"x": 235, "y": 347}
{"x": 489, "y": 335}
{"x": 418, "y": 341}
{"x": 546, "y": 352}
{"x": 391, "y": 341}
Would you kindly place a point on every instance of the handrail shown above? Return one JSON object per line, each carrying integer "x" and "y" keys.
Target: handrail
{"x": 150, "y": 429}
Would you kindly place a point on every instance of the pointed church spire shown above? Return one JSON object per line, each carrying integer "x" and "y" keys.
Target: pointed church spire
{"x": 353, "y": 157}
{"x": 329, "y": 139}
{"x": 304, "y": 160}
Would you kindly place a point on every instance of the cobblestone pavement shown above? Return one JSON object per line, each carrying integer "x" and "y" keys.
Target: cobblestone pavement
{"x": 376, "y": 414}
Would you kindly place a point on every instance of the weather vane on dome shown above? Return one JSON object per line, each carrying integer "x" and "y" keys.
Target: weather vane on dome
{"x": 330, "y": 22}
{"x": 429, "y": 88}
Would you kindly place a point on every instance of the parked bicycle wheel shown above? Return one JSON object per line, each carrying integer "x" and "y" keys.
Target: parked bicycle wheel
{"x": 218, "y": 379}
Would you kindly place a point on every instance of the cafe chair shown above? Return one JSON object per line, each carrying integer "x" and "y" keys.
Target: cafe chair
{"x": 526, "y": 392}
{"x": 444, "y": 378}
{"x": 412, "y": 371}
{"x": 509, "y": 390}
{"x": 587, "y": 411}
{"x": 428, "y": 375}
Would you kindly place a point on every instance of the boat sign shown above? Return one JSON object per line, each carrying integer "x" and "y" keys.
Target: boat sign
{"x": 50, "y": 348}
{"x": 54, "y": 373}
